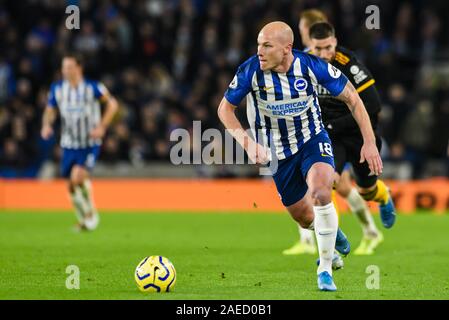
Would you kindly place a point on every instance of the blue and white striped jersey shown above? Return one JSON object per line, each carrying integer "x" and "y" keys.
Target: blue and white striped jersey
{"x": 79, "y": 109}
{"x": 282, "y": 108}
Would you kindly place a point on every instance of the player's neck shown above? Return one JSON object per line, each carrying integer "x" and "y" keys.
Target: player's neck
{"x": 285, "y": 65}
{"x": 75, "y": 82}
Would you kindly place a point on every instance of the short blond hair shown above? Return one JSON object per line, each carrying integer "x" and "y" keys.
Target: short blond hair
{"x": 312, "y": 16}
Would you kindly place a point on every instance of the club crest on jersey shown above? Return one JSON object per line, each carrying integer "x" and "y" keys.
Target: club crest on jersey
{"x": 300, "y": 84}
{"x": 233, "y": 83}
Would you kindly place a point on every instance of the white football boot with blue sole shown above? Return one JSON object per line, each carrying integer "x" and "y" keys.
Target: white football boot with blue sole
{"x": 325, "y": 282}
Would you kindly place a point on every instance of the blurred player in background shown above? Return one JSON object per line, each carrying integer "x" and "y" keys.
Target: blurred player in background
{"x": 372, "y": 237}
{"x": 82, "y": 129}
{"x": 345, "y": 134}
{"x": 306, "y": 19}
{"x": 283, "y": 111}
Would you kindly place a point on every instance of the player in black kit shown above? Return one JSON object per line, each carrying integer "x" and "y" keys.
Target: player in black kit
{"x": 339, "y": 122}
{"x": 372, "y": 236}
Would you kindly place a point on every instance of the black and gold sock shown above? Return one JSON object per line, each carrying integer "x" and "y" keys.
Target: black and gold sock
{"x": 378, "y": 194}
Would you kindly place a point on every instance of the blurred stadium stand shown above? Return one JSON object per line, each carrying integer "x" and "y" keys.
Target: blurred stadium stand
{"x": 168, "y": 62}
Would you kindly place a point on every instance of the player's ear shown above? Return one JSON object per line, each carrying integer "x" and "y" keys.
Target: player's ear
{"x": 335, "y": 41}
{"x": 288, "y": 48}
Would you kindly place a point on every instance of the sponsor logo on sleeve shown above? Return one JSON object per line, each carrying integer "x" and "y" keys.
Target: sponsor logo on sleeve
{"x": 333, "y": 71}
{"x": 354, "y": 69}
{"x": 358, "y": 74}
{"x": 234, "y": 83}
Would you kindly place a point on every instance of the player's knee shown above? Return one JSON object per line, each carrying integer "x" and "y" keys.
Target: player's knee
{"x": 321, "y": 194}
{"x": 77, "y": 176}
{"x": 320, "y": 180}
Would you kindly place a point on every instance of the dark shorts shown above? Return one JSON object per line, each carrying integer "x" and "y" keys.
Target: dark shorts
{"x": 290, "y": 177}
{"x": 85, "y": 157}
{"x": 347, "y": 150}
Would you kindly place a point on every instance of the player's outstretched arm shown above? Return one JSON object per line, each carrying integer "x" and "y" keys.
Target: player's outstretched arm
{"x": 48, "y": 119}
{"x": 256, "y": 152}
{"x": 111, "y": 109}
{"x": 369, "y": 150}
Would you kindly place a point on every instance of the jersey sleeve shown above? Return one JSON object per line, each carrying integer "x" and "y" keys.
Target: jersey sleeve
{"x": 328, "y": 76}
{"x": 359, "y": 75}
{"x": 51, "y": 100}
{"x": 100, "y": 91}
{"x": 363, "y": 81}
{"x": 238, "y": 88}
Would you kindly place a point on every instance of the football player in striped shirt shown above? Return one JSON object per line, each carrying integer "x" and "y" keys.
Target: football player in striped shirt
{"x": 284, "y": 115}
{"x": 83, "y": 125}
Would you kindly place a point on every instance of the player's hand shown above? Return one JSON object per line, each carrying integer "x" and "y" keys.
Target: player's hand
{"x": 257, "y": 153}
{"x": 370, "y": 154}
{"x": 46, "y": 132}
{"x": 98, "y": 132}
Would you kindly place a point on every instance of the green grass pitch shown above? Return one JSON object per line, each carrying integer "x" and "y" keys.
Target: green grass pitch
{"x": 217, "y": 256}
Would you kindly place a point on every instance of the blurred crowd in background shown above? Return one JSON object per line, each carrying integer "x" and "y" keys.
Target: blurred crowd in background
{"x": 168, "y": 62}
